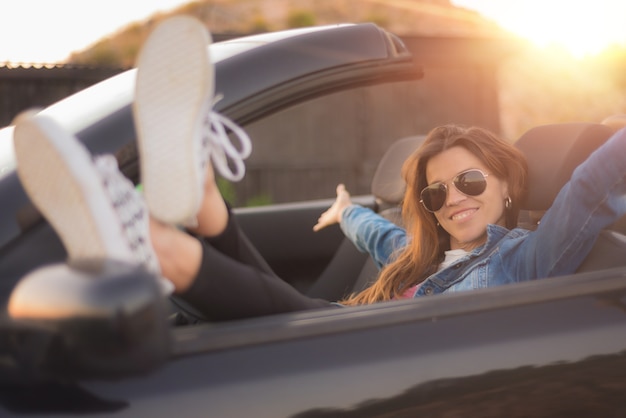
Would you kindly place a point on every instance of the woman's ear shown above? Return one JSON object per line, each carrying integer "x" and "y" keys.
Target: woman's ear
{"x": 505, "y": 191}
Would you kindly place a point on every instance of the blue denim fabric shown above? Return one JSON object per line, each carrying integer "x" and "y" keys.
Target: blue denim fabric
{"x": 594, "y": 198}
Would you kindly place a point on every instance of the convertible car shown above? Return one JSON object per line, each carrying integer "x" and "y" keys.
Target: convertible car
{"x": 96, "y": 339}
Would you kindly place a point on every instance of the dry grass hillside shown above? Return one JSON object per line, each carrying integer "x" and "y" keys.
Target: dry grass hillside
{"x": 536, "y": 86}
{"x": 423, "y": 17}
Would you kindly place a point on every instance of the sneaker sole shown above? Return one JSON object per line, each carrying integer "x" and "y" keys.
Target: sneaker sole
{"x": 174, "y": 83}
{"x": 58, "y": 174}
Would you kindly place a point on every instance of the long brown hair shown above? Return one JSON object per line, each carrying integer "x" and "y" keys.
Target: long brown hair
{"x": 427, "y": 242}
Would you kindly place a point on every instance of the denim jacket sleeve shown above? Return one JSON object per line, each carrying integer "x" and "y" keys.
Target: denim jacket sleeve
{"x": 372, "y": 233}
{"x": 594, "y": 198}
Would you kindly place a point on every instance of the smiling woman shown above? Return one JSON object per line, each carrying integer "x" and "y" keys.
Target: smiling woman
{"x": 582, "y": 27}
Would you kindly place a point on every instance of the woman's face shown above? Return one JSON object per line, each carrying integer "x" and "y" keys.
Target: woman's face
{"x": 464, "y": 217}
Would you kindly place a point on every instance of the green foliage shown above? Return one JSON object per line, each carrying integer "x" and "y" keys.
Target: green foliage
{"x": 378, "y": 19}
{"x": 192, "y": 8}
{"x": 259, "y": 24}
{"x": 227, "y": 190}
{"x": 104, "y": 57}
{"x": 300, "y": 19}
{"x": 260, "y": 200}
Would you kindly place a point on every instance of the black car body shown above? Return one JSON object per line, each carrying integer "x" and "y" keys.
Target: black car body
{"x": 546, "y": 348}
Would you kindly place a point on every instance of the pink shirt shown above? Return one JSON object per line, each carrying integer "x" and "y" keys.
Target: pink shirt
{"x": 451, "y": 257}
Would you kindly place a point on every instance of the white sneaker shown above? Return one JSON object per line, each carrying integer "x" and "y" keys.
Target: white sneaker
{"x": 94, "y": 209}
{"x": 177, "y": 130}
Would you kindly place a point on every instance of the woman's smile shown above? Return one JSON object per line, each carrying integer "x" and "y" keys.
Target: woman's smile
{"x": 466, "y": 217}
{"x": 463, "y": 215}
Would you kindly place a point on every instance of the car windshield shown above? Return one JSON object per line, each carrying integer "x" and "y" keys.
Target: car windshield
{"x": 226, "y": 49}
{"x": 84, "y": 108}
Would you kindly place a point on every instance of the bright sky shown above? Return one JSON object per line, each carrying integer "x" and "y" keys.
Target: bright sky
{"x": 50, "y": 30}
{"x": 582, "y": 26}
{"x": 44, "y": 31}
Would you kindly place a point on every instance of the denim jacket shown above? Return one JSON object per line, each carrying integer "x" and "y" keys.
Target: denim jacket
{"x": 594, "y": 198}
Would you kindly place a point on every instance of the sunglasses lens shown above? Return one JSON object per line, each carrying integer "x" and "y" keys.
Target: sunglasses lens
{"x": 434, "y": 196}
{"x": 471, "y": 183}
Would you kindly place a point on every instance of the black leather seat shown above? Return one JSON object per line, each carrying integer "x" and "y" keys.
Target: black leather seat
{"x": 553, "y": 152}
{"x": 350, "y": 270}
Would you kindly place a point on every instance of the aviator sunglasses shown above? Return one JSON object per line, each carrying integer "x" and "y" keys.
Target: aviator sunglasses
{"x": 472, "y": 182}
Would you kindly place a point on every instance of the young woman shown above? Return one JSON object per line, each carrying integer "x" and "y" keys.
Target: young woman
{"x": 464, "y": 186}
{"x": 462, "y": 199}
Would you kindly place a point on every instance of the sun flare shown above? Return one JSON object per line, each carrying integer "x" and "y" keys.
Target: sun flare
{"x": 582, "y": 27}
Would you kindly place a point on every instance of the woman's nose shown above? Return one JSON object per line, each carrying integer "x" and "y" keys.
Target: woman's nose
{"x": 454, "y": 196}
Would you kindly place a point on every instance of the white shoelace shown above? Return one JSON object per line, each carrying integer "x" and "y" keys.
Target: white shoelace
{"x": 131, "y": 210}
{"x": 217, "y": 145}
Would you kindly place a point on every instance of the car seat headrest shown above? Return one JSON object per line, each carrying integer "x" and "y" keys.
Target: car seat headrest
{"x": 387, "y": 184}
{"x": 553, "y": 152}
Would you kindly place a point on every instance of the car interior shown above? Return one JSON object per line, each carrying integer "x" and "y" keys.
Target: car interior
{"x": 388, "y": 189}
{"x": 552, "y": 151}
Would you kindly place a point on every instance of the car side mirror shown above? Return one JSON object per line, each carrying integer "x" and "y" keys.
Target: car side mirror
{"x": 88, "y": 319}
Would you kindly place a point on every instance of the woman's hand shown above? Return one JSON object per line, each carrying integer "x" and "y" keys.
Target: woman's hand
{"x": 333, "y": 214}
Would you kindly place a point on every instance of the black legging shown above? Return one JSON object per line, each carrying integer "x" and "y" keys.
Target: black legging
{"x": 235, "y": 282}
